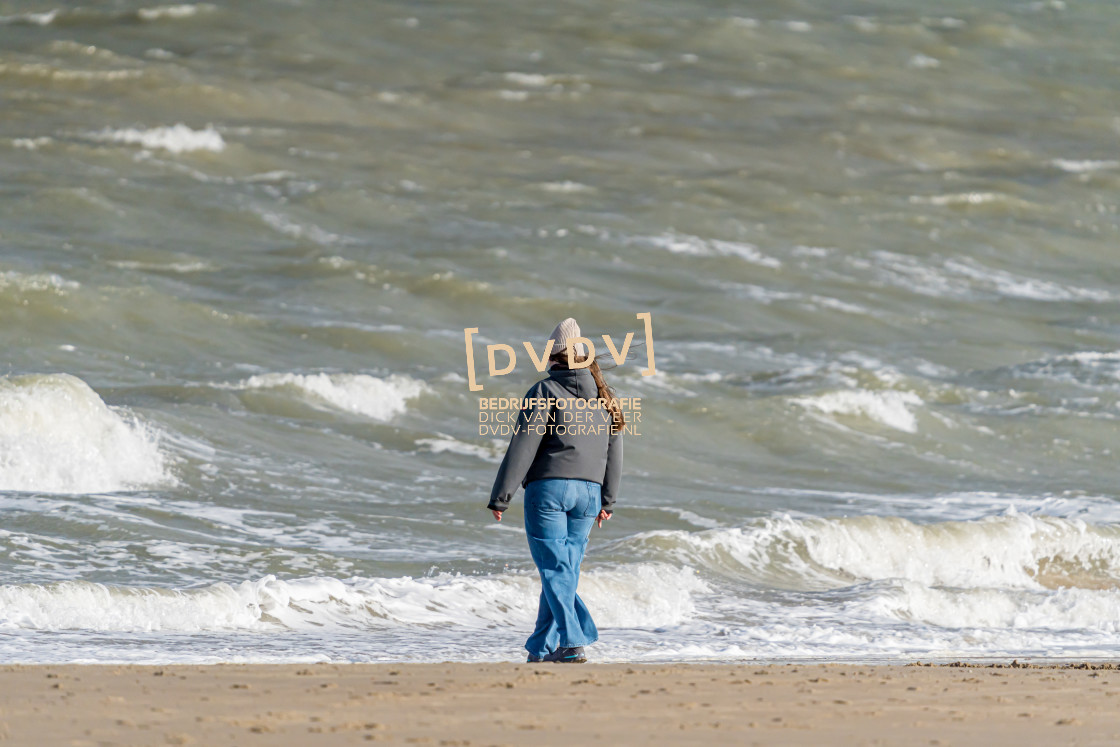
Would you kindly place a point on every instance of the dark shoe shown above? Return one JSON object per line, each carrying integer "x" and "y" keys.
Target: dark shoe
{"x": 567, "y": 656}
{"x": 533, "y": 659}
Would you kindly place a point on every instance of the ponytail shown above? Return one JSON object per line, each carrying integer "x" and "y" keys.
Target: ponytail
{"x": 606, "y": 393}
{"x": 618, "y": 420}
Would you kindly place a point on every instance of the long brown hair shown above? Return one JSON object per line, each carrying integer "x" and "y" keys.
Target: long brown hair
{"x": 606, "y": 393}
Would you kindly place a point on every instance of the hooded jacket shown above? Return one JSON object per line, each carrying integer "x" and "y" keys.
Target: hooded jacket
{"x": 562, "y": 440}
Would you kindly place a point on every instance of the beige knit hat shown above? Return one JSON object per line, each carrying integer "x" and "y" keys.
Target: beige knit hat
{"x": 565, "y": 331}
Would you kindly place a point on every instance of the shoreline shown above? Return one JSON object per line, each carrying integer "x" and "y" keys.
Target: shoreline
{"x": 1022, "y": 662}
{"x": 453, "y": 703}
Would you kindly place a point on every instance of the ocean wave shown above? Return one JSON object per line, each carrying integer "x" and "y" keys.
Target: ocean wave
{"x": 1083, "y": 167}
{"x": 533, "y": 80}
{"x": 80, "y": 15}
{"x": 1015, "y": 286}
{"x": 1016, "y": 551}
{"x": 176, "y": 138}
{"x": 285, "y": 225}
{"x": 58, "y": 436}
{"x": 697, "y": 246}
{"x": 454, "y": 446}
{"x": 41, "y": 70}
{"x": 891, "y": 408}
{"x": 361, "y": 394}
{"x": 1063, "y": 609}
{"x": 962, "y": 277}
{"x": 564, "y": 187}
{"x": 36, "y": 283}
{"x": 45, "y": 18}
{"x": 1089, "y": 369}
{"x": 30, "y": 143}
{"x": 173, "y": 12}
{"x": 645, "y": 595}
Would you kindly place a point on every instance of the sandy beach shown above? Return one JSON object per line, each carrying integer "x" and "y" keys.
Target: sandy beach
{"x": 492, "y": 704}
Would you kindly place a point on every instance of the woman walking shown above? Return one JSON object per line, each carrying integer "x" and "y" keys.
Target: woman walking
{"x": 568, "y": 456}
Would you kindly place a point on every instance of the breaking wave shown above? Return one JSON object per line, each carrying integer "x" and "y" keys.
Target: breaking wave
{"x": 58, "y": 436}
{"x": 361, "y": 394}
{"x": 640, "y": 595}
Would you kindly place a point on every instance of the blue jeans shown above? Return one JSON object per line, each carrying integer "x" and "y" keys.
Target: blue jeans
{"x": 558, "y": 517}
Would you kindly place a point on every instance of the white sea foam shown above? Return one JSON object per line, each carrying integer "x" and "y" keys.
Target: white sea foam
{"x": 911, "y": 273}
{"x": 45, "y": 18}
{"x": 534, "y": 80}
{"x": 30, "y": 143}
{"x": 173, "y": 11}
{"x": 838, "y": 305}
{"x": 891, "y": 408}
{"x": 744, "y": 22}
{"x": 454, "y": 446}
{"x": 923, "y": 62}
{"x": 1063, "y": 609}
{"x": 288, "y": 227}
{"x": 361, "y": 394}
{"x": 177, "y": 267}
{"x": 694, "y": 245}
{"x": 175, "y": 139}
{"x": 1014, "y": 551}
{"x": 36, "y": 282}
{"x": 538, "y": 80}
{"x": 1094, "y": 370}
{"x": 641, "y": 595}
{"x": 962, "y": 277}
{"x": 564, "y": 187}
{"x": 1083, "y": 167}
{"x": 1090, "y": 357}
{"x": 759, "y": 293}
{"x": 1008, "y": 284}
{"x": 866, "y": 587}
{"x": 58, "y": 436}
{"x": 66, "y": 75}
{"x": 962, "y": 198}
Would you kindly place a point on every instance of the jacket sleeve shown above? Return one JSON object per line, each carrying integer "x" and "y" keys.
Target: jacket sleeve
{"x": 522, "y": 450}
{"x": 613, "y": 475}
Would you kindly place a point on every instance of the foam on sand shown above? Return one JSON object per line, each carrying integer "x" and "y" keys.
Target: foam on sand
{"x": 58, "y": 436}
{"x": 361, "y": 394}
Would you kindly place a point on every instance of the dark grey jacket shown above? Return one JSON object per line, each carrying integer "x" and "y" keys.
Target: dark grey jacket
{"x": 560, "y": 441}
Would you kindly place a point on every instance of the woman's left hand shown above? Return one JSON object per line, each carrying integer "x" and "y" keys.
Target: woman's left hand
{"x": 603, "y": 516}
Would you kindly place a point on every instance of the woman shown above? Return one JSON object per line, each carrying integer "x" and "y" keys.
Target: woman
{"x": 568, "y": 456}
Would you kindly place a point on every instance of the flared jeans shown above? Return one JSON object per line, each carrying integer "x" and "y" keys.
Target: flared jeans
{"x": 559, "y": 514}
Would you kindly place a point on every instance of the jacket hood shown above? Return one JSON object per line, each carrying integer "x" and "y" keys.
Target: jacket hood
{"x": 579, "y": 382}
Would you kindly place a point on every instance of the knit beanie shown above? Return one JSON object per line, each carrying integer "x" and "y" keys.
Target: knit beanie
{"x": 565, "y": 331}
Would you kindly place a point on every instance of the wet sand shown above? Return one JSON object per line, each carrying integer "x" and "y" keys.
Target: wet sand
{"x": 515, "y": 704}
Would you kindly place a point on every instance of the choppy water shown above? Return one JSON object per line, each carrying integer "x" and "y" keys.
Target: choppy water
{"x": 239, "y": 243}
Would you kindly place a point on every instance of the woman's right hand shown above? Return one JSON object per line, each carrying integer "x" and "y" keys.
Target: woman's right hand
{"x": 497, "y": 515}
{"x": 603, "y": 516}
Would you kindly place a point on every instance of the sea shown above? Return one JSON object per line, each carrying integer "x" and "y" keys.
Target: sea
{"x": 877, "y": 241}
